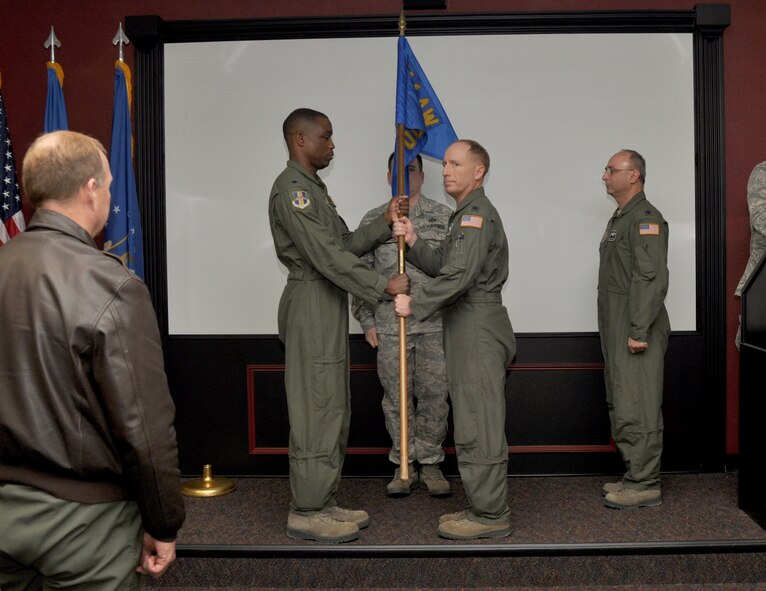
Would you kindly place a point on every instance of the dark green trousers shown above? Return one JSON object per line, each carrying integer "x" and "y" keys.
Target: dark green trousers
{"x": 479, "y": 344}
{"x": 634, "y": 388}
{"x": 48, "y": 543}
{"x": 313, "y": 324}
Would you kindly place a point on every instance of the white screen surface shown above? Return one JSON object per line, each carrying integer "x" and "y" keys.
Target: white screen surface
{"x": 550, "y": 110}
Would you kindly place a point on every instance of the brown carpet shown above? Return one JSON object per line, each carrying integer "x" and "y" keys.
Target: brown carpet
{"x": 545, "y": 510}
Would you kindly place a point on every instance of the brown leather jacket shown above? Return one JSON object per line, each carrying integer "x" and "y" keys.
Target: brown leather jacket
{"x": 85, "y": 410}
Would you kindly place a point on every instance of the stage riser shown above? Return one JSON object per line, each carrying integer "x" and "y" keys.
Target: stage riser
{"x": 452, "y": 572}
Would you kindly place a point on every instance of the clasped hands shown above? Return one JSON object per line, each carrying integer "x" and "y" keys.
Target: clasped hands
{"x": 401, "y": 226}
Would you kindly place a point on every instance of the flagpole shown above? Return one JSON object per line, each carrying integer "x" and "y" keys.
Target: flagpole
{"x": 55, "y": 107}
{"x": 52, "y": 42}
{"x": 404, "y": 461}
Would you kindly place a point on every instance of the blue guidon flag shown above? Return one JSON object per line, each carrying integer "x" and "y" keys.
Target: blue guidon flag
{"x": 427, "y": 129}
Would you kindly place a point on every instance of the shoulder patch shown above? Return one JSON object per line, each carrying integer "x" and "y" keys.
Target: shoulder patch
{"x": 645, "y": 229}
{"x": 300, "y": 199}
{"x": 471, "y": 221}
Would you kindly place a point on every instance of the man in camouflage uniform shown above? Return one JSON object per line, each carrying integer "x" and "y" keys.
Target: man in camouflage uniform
{"x": 427, "y": 375}
{"x": 470, "y": 268}
{"x": 756, "y": 205}
{"x": 321, "y": 256}
{"x": 634, "y": 329}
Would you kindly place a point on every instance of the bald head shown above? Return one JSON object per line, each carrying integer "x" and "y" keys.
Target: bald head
{"x": 464, "y": 167}
{"x": 624, "y": 176}
{"x": 58, "y": 164}
{"x": 478, "y": 152}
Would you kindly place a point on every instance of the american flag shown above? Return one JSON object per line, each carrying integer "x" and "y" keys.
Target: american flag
{"x": 649, "y": 229}
{"x": 11, "y": 215}
{"x": 471, "y": 221}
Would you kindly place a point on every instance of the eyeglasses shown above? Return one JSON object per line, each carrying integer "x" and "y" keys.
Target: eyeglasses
{"x": 610, "y": 171}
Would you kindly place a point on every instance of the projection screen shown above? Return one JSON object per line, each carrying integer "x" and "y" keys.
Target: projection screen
{"x": 550, "y": 109}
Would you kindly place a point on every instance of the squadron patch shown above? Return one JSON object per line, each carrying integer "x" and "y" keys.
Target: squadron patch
{"x": 471, "y": 221}
{"x": 648, "y": 229}
{"x": 301, "y": 199}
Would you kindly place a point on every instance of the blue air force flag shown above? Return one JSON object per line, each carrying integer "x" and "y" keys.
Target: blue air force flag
{"x": 122, "y": 235}
{"x": 55, "y": 108}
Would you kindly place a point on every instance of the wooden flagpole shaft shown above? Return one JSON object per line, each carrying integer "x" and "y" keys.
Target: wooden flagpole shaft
{"x": 404, "y": 465}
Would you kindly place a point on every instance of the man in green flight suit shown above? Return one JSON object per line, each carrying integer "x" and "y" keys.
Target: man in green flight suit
{"x": 634, "y": 329}
{"x": 469, "y": 270}
{"x": 321, "y": 256}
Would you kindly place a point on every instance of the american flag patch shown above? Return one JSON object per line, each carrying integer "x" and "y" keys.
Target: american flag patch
{"x": 648, "y": 229}
{"x": 471, "y": 221}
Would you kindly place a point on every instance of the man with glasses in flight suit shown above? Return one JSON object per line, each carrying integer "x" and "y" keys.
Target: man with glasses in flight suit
{"x": 634, "y": 329}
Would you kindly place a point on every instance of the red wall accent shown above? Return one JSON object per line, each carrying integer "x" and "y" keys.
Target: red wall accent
{"x": 87, "y": 57}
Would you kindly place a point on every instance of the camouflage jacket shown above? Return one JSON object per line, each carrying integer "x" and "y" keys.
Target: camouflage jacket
{"x": 430, "y": 219}
{"x": 756, "y": 205}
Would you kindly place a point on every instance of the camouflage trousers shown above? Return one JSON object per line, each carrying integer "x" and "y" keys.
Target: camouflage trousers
{"x": 427, "y": 395}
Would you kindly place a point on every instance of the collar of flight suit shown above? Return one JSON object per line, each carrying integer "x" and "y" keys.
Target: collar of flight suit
{"x": 637, "y": 198}
{"x": 470, "y": 198}
{"x": 313, "y": 178}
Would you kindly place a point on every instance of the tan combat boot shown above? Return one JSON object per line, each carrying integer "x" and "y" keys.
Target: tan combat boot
{"x": 361, "y": 518}
{"x": 432, "y": 477}
{"x": 400, "y": 488}
{"x": 465, "y": 529}
{"x": 611, "y": 487}
{"x": 321, "y": 527}
{"x": 629, "y": 498}
{"x": 453, "y": 516}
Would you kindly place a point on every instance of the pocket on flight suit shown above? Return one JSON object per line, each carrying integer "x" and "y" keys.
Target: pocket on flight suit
{"x": 627, "y": 373}
{"x": 328, "y": 381}
{"x": 457, "y": 257}
{"x": 644, "y": 264}
{"x": 329, "y": 417}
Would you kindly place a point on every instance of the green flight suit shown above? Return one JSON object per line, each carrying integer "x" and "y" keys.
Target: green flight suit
{"x": 632, "y": 284}
{"x": 469, "y": 270}
{"x": 321, "y": 256}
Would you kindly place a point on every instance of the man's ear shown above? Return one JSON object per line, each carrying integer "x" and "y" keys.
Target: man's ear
{"x": 89, "y": 191}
